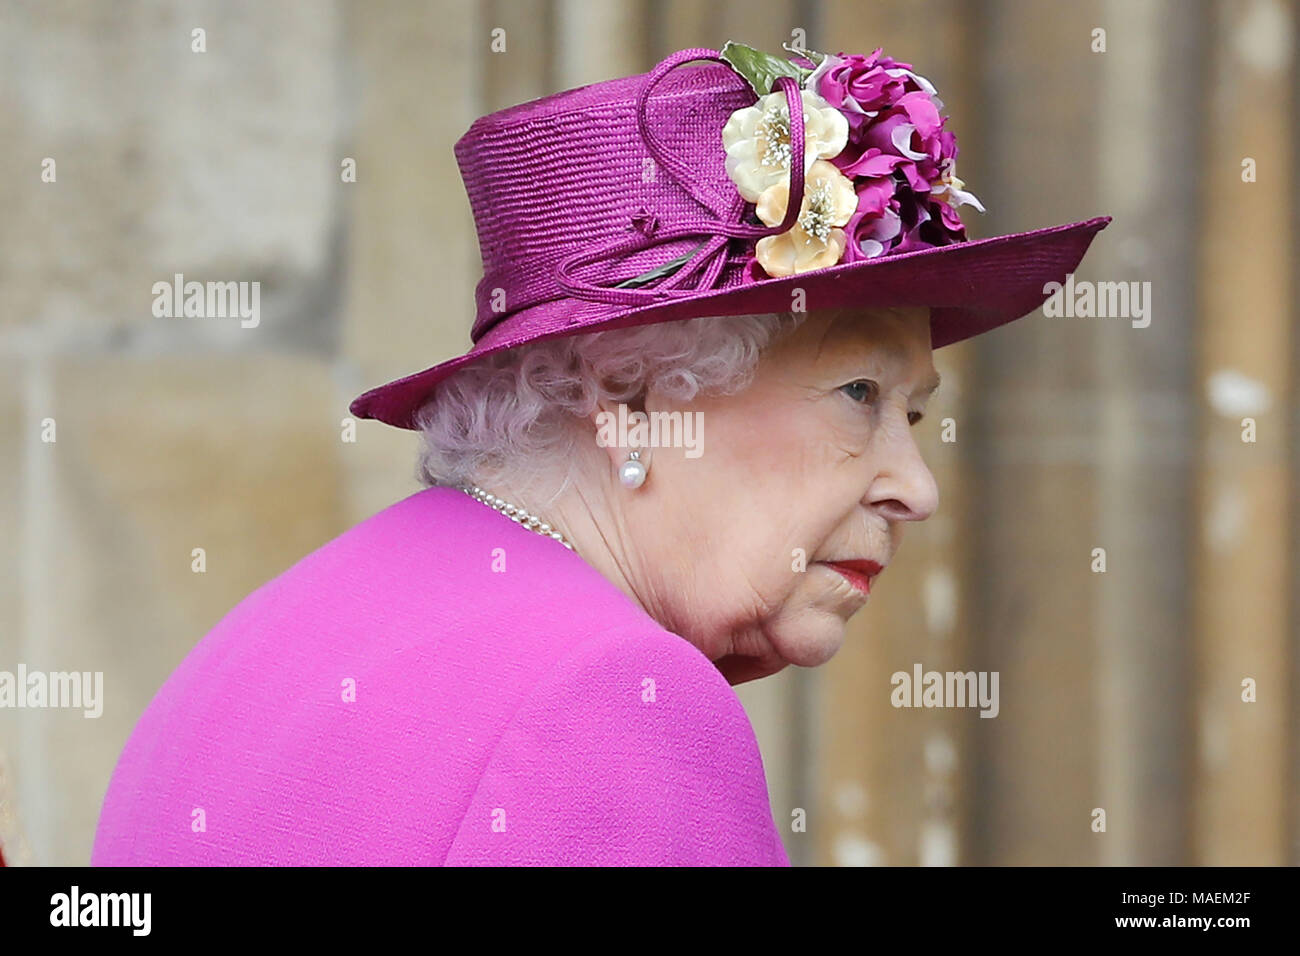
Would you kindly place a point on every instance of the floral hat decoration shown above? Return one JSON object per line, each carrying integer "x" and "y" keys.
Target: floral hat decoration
{"x": 686, "y": 193}
{"x": 879, "y": 168}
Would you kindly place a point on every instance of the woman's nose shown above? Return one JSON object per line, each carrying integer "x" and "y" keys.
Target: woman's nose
{"x": 904, "y": 488}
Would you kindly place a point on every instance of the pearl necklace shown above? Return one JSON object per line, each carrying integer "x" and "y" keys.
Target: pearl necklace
{"x": 515, "y": 514}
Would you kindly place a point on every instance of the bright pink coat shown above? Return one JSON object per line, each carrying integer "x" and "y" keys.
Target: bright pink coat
{"x": 439, "y": 685}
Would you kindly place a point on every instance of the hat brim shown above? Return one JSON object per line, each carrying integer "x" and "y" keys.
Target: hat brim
{"x": 970, "y": 287}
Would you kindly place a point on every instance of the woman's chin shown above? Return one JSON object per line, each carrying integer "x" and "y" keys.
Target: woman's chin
{"x": 808, "y": 639}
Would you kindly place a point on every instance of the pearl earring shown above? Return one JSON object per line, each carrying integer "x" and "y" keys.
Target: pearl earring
{"x": 632, "y": 473}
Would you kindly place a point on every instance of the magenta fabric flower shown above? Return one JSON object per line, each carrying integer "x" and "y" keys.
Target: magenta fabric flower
{"x": 872, "y": 234}
{"x": 862, "y": 85}
{"x": 900, "y": 157}
{"x": 912, "y": 131}
{"x": 924, "y": 225}
{"x": 885, "y": 222}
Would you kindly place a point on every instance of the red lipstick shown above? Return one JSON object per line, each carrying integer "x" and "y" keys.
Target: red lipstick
{"x": 858, "y": 573}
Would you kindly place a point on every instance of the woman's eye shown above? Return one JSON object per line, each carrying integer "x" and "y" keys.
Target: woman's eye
{"x": 863, "y": 390}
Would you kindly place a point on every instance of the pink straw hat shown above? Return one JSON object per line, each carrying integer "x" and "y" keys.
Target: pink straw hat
{"x": 683, "y": 193}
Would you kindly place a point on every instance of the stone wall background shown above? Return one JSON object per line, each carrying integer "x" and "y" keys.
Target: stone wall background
{"x": 175, "y": 434}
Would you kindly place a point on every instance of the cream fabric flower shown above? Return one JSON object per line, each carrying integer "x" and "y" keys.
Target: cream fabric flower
{"x": 757, "y": 140}
{"x": 815, "y": 241}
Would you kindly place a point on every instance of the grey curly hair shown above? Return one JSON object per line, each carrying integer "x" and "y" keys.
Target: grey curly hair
{"x": 517, "y": 412}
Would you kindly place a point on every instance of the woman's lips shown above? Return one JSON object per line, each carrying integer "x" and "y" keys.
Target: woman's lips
{"x": 858, "y": 573}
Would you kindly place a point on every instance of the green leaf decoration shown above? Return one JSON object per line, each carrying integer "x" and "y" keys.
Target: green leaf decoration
{"x": 760, "y": 70}
{"x": 659, "y": 272}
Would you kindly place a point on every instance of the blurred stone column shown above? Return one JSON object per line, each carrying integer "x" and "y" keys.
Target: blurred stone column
{"x": 200, "y": 139}
{"x": 1247, "y": 493}
{"x": 419, "y": 74}
{"x": 1036, "y": 433}
{"x": 1148, "y": 93}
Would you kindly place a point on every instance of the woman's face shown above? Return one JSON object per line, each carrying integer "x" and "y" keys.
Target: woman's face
{"x": 815, "y": 462}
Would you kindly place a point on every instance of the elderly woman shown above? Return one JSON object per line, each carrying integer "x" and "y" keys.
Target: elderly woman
{"x": 531, "y": 661}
